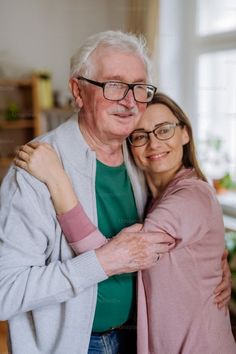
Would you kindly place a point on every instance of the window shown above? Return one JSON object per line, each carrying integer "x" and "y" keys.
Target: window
{"x": 215, "y": 108}
{"x": 215, "y": 16}
{"x": 217, "y": 112}
{"x": 195, "y": 63}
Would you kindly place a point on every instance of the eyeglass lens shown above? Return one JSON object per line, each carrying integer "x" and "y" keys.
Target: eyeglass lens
{"x": 117, "y": 91}
{"x": 164, "y": 132}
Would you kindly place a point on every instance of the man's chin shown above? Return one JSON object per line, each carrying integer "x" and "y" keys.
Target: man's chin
{"x": 123, "y": 134}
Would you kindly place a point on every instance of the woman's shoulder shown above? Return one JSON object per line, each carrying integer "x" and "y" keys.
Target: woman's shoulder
{"x": 189, "y": 192}
{"x": 188, "y": 182}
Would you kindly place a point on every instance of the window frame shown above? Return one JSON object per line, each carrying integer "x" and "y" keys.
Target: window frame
{"x": 194, "y": 45}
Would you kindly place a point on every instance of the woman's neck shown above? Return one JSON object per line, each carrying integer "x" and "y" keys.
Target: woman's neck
{"x": 158, "y": 182}
{"x": 155, "y": 185}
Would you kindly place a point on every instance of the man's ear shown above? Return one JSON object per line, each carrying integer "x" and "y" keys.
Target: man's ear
{"x": 76, "y": 92}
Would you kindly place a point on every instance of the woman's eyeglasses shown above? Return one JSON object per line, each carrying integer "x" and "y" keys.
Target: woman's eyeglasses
{"x": 163, "y": 131}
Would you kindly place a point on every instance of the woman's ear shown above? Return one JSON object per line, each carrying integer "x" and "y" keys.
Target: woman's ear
{"x": 185, "y": 135}
{"x": 76, "y": 92}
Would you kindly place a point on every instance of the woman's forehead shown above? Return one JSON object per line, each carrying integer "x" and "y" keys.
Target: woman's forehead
{"x": 155, "y": 114}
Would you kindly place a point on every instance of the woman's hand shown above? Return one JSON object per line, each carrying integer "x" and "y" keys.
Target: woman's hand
{"x": 40, "y": 160}
{"x": 223, "y": 290}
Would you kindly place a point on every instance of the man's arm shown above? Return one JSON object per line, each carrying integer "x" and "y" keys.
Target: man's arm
{"x": 35, "y": 270}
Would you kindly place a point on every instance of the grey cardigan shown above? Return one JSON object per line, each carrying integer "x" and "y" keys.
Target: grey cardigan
{"x": 47, "y": 294}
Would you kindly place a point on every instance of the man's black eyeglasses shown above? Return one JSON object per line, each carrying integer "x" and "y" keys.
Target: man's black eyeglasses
{"x": 116, "y": 91}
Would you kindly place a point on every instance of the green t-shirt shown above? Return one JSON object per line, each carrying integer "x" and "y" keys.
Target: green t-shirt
{"x": 116, "y": 210}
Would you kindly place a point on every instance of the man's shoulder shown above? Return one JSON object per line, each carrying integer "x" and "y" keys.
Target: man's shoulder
{"x": 61, "y": 132}
{"x": 16, "y": 178}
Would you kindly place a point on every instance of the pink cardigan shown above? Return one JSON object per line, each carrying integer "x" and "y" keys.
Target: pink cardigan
{"x": 176, "y": 310}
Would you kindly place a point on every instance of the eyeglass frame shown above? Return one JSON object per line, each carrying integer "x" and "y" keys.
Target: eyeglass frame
{"x": 130, "y": 87}
{"x": 173, "y": 125}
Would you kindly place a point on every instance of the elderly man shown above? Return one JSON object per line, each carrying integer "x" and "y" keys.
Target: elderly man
{"x": 56, "y": 302}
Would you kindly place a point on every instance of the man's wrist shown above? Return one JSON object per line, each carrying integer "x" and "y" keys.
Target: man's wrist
{"x": 106, "y": 265}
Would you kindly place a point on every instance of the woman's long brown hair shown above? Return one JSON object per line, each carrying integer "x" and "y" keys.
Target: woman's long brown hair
{"x": 189, "y": 151}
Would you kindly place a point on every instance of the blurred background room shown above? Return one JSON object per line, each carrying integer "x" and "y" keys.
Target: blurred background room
{"x": 192, "y": 45}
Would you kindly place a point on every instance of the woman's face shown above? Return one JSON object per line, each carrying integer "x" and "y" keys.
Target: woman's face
{"x": 160, "y": 158}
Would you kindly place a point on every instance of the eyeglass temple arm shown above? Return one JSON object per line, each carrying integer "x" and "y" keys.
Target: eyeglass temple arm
{"x": 100, "y": 84}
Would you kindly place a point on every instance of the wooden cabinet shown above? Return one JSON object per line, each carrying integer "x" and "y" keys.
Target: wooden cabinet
{"x": 19, "y": 116}
{"x": 3, "y": 338}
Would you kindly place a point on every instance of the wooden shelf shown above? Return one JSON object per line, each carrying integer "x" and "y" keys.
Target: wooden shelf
{"x": 3, "y": 338}
{"x": 9, "y": 83}
{"x": 6, "y": 161}
{"x": 24, "y": 93}
{"x": 19, "y": 100}
{"x": 17, "y": 124}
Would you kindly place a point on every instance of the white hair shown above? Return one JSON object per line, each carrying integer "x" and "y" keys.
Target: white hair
{"x": 124, "y": 42}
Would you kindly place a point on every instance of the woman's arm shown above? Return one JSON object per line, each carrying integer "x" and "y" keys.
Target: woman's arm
{"x": 41, "y": 161}
{"x": 223, "y": 290}
{"x": 80, "y": 232}
{"x": 187, "y": 223}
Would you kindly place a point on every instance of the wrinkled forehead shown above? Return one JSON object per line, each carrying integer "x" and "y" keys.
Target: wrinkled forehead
{"x": 111, "y": 62}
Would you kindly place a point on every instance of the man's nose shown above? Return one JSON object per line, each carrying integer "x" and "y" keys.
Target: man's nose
{"x": 129, "y": 100}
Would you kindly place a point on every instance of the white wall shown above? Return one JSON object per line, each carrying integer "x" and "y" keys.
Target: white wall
{"x": 43, "y": 34}
{"x": 168, "y": 56}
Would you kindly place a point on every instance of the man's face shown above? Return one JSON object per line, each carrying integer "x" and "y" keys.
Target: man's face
{"x": 109, "y": 120}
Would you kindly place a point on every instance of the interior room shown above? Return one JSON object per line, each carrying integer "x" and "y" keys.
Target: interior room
{"x": 192, "y": 46}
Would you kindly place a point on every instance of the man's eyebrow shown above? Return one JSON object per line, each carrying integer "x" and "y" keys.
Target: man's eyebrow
{"x": 120, "y": 79}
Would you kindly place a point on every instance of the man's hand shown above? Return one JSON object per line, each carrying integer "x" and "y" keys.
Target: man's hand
{"x": 132, "y": 250}
{"x": 223, "y": 290}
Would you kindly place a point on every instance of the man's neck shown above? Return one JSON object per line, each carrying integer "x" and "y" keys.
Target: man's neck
{"x": 110, "y": 159}
{"x": 108, "y": 152}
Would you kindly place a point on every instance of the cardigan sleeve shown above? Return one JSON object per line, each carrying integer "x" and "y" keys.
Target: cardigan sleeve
{"x": 81, "y": 234}
{"x": 30, "y": 276}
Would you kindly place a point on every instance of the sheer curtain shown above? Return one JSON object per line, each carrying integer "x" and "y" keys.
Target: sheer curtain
{"x": 143, "y": 19}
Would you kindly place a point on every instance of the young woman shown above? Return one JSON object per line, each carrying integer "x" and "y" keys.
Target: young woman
{"x": 176, "y": 309}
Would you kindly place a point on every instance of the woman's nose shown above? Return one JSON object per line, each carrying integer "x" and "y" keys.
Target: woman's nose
{"x": 153, "y": 141}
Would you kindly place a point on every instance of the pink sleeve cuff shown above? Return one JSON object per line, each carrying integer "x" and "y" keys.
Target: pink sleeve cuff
{"x": 75, "y": 224}
{"x": 91, "y": 242}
